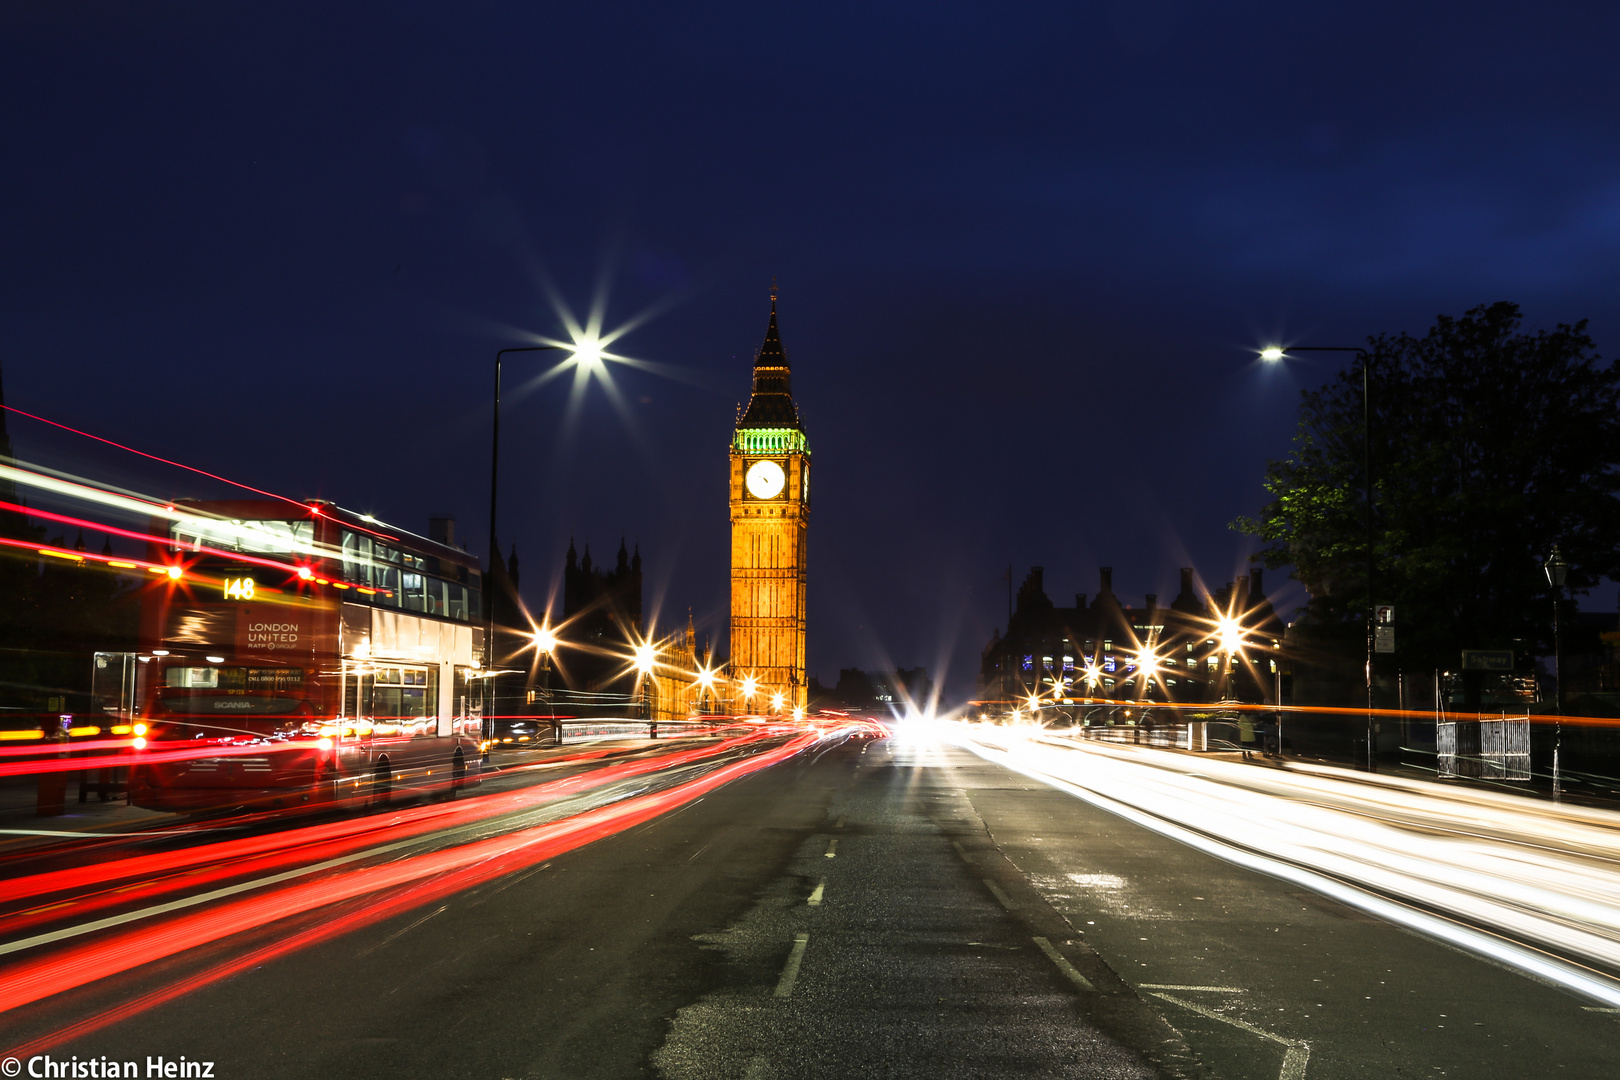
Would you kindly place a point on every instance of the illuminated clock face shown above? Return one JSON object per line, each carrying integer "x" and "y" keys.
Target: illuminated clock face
{"x": 765, "y": 479}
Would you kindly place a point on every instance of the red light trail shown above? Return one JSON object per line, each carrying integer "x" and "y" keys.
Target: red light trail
{"x": 418, "y": 880}
{"x": 316, "y": 842}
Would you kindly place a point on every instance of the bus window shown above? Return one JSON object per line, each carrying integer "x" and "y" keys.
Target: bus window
{"x": 356, "y": 558}
{"x": 351, "y": 692}
{"x": 216, "y": 677}
{"x": 438, "y": 599}
{"x": 385, "y": 575}
{"x": 456, "y": 601}
{"x": 404, "y": 697}
{"x": 253, "y": 537}
{"x": 192, "y": 678}
{"x": 473, "y": 614}
{"x": 413, "y": 591}
{"x": 469, "y": 702}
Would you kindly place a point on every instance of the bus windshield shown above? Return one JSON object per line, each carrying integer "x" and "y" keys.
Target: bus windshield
{"x": 249, "y": 537}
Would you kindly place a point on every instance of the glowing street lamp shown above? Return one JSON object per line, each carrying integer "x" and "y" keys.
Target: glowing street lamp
{"x": 1147, "y": 666}
{"x": 646, "y": 658}
{"x": 705, "y": 682}
{"x": 750, "y": 687}
{"x": 545, "y": 643}
{"x": 777, "y": 701}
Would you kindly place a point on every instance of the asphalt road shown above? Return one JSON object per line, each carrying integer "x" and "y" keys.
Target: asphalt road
{"x": 875, "y": 909}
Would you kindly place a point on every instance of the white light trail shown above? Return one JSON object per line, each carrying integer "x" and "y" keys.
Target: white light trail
{"x": 1511, "y": 869}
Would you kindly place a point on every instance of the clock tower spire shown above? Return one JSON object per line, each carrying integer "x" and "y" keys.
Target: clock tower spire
{"x": 770, "y": 517}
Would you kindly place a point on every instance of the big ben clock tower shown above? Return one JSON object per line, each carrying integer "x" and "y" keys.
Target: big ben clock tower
{"x": 770, "y": 516}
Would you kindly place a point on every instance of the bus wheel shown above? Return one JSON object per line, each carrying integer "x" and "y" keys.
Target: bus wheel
{"x": 458, "y": 775}
{"x": 382, "y": 787}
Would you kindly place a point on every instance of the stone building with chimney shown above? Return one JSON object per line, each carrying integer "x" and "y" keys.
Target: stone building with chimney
{"x": 1202, "y": 647}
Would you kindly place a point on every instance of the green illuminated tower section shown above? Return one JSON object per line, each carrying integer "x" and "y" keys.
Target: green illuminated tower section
{"x": 770, "y": 518}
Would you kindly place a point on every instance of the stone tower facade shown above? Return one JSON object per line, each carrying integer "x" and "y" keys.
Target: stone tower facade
{"x": 770, "y": 519}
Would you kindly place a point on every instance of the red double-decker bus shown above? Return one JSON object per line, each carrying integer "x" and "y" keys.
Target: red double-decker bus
{"x": 297, "y": 654}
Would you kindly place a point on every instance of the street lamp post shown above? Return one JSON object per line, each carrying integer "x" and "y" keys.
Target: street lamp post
{"x": 494, "y": 550}
{"x": 1274, "y": 354}
{"x": 646, "y": 662}
{"x": 545, "y": 643}
{"x": 1557, "y": 573}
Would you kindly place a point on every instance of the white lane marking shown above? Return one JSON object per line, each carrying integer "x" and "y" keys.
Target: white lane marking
{"x": 401, "y": 933}
{"x": 815, "y": 897}
{"x": 1598, "y": 1008}
{"x": 1063, "y": 965}
{"x": 839, "y": 824}
{"x": 832, "y": 849}
{"x": 698, "y": 852}
{"x": 790, "y": 972}
{"x": 995, "y": 890}
{"x": 1211, "y": 989}
{"x": 1295, "y": 1057}
{"x": 202, "y": 898}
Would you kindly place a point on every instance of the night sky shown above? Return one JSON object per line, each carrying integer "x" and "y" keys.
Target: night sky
{"x": 1025, "y": 255}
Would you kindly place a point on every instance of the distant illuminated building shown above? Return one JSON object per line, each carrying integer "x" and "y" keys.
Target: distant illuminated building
{"x": 770, "y": 518}
{"x": 1056, "y": 651}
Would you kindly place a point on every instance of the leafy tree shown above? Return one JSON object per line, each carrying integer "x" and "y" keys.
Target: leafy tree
{"x": 1489, "y": 446}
